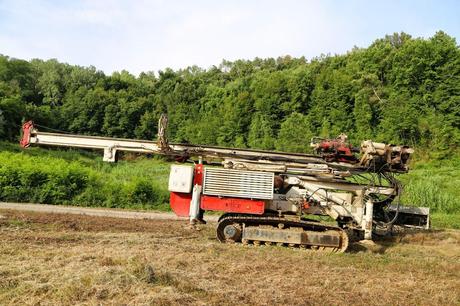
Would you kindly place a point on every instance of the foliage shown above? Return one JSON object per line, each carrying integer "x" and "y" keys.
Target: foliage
{"x": 399, "y": 89}
{"x": 60, "y": 177}
{"x": 293, "y": 133}
{"x": 433, "y": 184}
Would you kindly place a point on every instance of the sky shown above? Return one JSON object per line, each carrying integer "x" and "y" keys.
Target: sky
{"x": 152, "y": 35}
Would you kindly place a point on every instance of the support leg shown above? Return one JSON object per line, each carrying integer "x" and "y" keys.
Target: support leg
{"x": 195, "y": 205}
{"x": 368, "y": 218}
{"x": 110, "y": 155}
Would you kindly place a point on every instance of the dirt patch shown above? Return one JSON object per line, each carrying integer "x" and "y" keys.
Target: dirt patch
{"x": 86, "y": 223}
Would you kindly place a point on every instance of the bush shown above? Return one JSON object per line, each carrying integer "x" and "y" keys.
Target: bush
{"x": 427, "y": 193}
{"x": 59, "y": 177}
{"x": 434, "y": 184}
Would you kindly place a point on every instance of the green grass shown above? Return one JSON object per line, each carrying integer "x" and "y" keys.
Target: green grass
{"x": 78, "y": 177}
{"x": 441, "y": 220}
{"x": 434, "y": 184}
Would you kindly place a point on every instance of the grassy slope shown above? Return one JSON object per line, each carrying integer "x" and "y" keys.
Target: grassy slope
{"x": 45, "y": 176}
{"x": 435, "y": 184}
{"x": 142, "y": 183}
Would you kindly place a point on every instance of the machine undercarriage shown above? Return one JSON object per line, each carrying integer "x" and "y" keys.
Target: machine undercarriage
{"x": 282, "y": 231}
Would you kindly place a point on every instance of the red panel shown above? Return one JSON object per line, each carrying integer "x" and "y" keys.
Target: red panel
{"x": 26, "y": 129}
{"x": 180, "y": 203}
{"x": 235, "y": 205}
{"x": 198, "y": 175}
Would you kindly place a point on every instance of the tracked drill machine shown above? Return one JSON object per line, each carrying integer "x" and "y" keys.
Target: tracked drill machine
{"x": 270, "y": 197}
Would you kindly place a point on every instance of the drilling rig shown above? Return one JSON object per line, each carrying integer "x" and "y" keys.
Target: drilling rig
{"x": 271, "y": 197}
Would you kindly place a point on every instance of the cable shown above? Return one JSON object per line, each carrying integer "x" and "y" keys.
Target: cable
{"x": 397, "y": 185}
{"x": 45, "y": 127}
{"x": 51, "y": 129}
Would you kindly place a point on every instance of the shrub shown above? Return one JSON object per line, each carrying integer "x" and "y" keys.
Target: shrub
{"x": 59, "y": 177}
{"x": 427, "y": 193}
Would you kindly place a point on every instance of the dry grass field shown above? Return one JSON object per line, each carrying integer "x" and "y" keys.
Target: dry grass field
{"x": 50, "y": 259}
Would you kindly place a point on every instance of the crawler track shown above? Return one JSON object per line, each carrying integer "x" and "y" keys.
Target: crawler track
{"x": 269, "y": 230}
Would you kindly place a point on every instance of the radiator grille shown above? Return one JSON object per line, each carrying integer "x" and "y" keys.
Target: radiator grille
{"x": 237, "y": 183}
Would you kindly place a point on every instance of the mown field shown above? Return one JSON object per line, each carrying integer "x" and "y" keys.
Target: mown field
{"x": 76, "y": 177}
{"x": 52, "y": 259}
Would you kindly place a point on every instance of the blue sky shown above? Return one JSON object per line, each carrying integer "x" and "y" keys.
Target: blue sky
{"x": 152, "y": 35}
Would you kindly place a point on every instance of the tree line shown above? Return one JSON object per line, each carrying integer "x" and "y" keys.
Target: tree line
{"x": 399, "y": 90}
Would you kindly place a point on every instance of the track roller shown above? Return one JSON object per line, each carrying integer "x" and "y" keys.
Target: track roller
{"x": 270, "y": 230}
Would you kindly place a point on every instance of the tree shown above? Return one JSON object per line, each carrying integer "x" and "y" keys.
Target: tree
{"x": 399, "y": 89}
{"x": 2, "y": 125}
{"x": 261, "y": 133}
{"x": 52, "y": 81}
{"x": 295, "y": 134}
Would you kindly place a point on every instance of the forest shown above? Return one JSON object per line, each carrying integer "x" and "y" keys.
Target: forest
{"x": 399, "y": 89}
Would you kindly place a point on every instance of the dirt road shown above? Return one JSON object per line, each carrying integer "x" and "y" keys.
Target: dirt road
{"x": 97, "y": 212}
